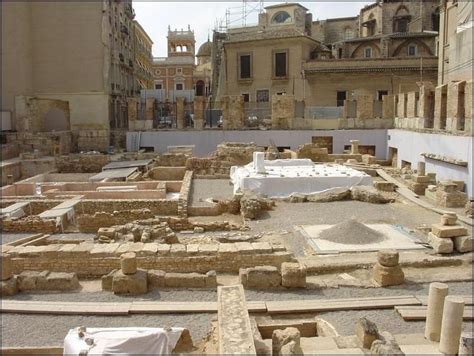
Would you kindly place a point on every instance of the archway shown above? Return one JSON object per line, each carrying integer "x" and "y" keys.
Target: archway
{"x": 200, "y": 88}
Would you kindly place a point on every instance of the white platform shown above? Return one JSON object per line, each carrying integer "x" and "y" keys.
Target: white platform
{"x": 286, "y": 177}
{"x": 395, "y": 238}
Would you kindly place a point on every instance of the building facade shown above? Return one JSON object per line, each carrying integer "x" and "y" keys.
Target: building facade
{"x": 81, "y": 53}
{"x": 143, "y": 58}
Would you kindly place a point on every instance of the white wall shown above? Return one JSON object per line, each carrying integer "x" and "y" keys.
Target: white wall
{"x": 206, "y": 141}
{"x": 411, "y": 144}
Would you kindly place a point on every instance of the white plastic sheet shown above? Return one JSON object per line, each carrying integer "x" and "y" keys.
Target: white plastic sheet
{"x": 286, "y": 177}
{"x": 123, "y": 341}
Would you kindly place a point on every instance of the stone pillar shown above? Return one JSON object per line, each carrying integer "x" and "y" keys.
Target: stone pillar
{"x": 426, "y": 104}
{"x": 388, "y": 107}
{"x": 132, "y": 108}
{"x": 180, "y": 113}
{"x": 440, "y": 107}
{"x": 451, "y": 325}
{"x": 365, "y": 107}
{"x": 354, "y": 147}
{"x": 387, "y": 270}
{"x": 259, "y": 162}
{"x": 455, "y": 107}
{"x": 233, "y": 112}
{"x": 199, "y": 107}
{"x": 128, "y": 263}
{"x": 6, "y": 267}
{"x": 401, "y": 110}
{"x": 412, "y": 99}
{"x": 438, "y": 291}
{"x": 420, "y": 168}
{"x": 149, "y": 108}
{"x": 466, "y": 344}
{"x": 468, "y": 108}
{"x": 283, "y": 111}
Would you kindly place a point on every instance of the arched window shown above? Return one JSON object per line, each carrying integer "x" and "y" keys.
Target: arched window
{"x": 412, "y": 50}
{"x": 281, "y": 17}
{"x": 368, "y": 52}
{"x": 401, "y": 20}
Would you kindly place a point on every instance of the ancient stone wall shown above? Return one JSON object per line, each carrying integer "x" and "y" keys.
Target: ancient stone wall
{"x": 233, "y": 112}
{"x": 93, "y": 140}
{"x": 184, "y": 194}
{"x": 171, "y": 160}
{"x": 31, "y": 224}
{"x": 167, "y": 173}
{"x": 81, "y": 163}
{"x": 157, "y": 206}
{"x": 92, "y": 223}
{"x": 96, "y": 260}
{"x": 283, "y": 111}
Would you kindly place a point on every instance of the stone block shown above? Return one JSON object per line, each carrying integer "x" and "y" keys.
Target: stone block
{"x": 441, "y": 245}
{"x": 130, "y": 283}
{"x": 190, "y": 280}
{"x": 388, "y": 276}
{"x": 9, "y": 286}
{"x": 289, "y": 336}
{"x": 368, "y": 195}
{"x": 386, "y": 345}
{"x": 106, "y": 231}
{"x": 156, "y": 278}
{"x": 262, "y": 247}
{"x": 106, "y": 280}
{"x": 449, "y": 219}
{"x": 208, "y": 249}
{"x": 448, "y": 231}
{"x": 421, "y": 179}
{"x": 384, "y": 186}
{"x": 178, "y": 250}
{"x": 60, "y": 281}
{"x": 293, "y": 275}
{"x": 260, "y": 277}
{"x": 366, "y": 332}
{"x": 128, "y": 263}
{"x": 31, "y": 280}
{"x": 388, "y": 258}
{"x": 6, "y": 267}
{"x": 463, "y": 244}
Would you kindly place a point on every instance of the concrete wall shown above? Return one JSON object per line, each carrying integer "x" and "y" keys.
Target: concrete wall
{"x": 411, "y": 144}
{"x": 206, "y": 141}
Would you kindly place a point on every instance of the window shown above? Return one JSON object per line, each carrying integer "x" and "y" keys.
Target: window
{"x": 245, "y": 66}
{"x": 281, "y": 17}
{"x": 263, "y": 96}
{"x": 158, "y": 86}
{"x": 340, "y": 53}
{"x": 280, "y": 63}
{"x": 348, "y": 34}
{"x": 281, "y": 93}
{"x": 180, "y": 70}
{"x": 381, "y": 94}
{"x": 246, "y": 97}
{"x": 341, "y": 97}
{"x": 179, "y": 86}
{"x": 401, "y": 25}
{"x": 412, "y": 50}
{"x": 368, "y": 52}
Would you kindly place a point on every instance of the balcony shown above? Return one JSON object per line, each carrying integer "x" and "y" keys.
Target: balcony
{"x": 124, "y": 30}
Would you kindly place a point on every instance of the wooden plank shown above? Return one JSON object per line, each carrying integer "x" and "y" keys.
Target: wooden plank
{"x": 59, "y": 308}
{"x": 172, "y": 307}
{"x": 307, "y": 306}
{"x": 419, "y": 313}
{"x": 257, "y": 307}
{"x": 468, "y": 299}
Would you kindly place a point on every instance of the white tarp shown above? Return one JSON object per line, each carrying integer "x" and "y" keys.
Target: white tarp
{"x": 286, "y": 177}
{"x": 123, "y": 341}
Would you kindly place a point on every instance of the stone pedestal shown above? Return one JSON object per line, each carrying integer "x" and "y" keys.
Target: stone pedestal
{"x": 387, "y": 271}
{"x": 259, "y": 162}
{"x": 282, "y": 338}
{"x": 130, "y": 283}
{"x": 128, "y": 263}
{"x": 421, "y": 168}
{"x": 437, "y": 294}
{"x": 354, "y": 147}
{"x": 451, "y": 325}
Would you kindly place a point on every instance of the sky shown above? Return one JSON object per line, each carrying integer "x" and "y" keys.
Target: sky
{"x": 155, "y": 16}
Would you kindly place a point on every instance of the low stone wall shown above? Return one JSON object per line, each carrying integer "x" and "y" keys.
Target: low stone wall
{"x": 171, "y": 160}
{"x": 184, "y": 194}
{"x": 92, "y": 223}
{"x": 81, "y": 163}
{"x": 208, "y": 167}
{"x": 157, "y": 206}
{"x": 96, "y": 260}
{"x": 167, "y": 173}
{"x": 31, "y": 224}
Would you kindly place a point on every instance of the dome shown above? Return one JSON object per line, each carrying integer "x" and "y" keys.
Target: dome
{"x": 205, "y": 50}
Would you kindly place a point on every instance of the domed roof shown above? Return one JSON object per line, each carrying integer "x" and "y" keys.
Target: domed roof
{"x": 205, "y": 50}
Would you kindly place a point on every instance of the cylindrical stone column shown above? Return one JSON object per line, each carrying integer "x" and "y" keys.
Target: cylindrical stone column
{"x": 451, "y": 325}
{"x": 6, "y": 267}
{"x": 420, "y": 168}
{"x": 128, "y": 263}
{"x": 259, "y": 162}
{"x": 354, "y": 147}
{"x": 466, "y": 344}
{"x": 438, "y": 291}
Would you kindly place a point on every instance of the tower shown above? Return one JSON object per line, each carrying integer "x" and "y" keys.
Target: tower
{"x": 181, "y": 43}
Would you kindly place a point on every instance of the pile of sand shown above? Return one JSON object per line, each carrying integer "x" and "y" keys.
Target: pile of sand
{"x": 351, "y": 232}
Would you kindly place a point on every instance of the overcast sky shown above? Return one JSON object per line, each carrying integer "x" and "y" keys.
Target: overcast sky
{"x": 155, "y": 16}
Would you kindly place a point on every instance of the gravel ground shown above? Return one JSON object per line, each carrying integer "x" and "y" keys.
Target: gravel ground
{"x": 26, "y": 330}
{"x": 41, "y": 330}
{"x": 7, "y": 237}
{"x": 203, "y": 189}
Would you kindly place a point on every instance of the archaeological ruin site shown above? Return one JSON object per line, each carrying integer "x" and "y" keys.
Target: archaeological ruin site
{"x": 296, "y": 186}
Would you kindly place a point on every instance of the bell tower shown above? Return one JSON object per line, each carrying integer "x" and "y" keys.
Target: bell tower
{"x": 181, "y": 43}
